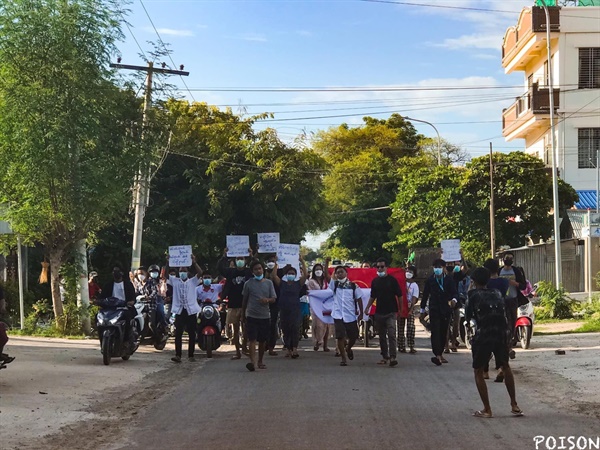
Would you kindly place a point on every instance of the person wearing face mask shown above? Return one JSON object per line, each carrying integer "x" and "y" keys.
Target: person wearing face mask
{"x": 235, "y": 278}
{"x": 516, "y": 283}
{"x": 386, "y": 290}
{"x": 122, "y": 289}
{"x": 258, "y": 293}
{"x": 321, "y": 331}
{"x": 440, "y": 292}
{"x": 151, "y": 288}
{"x": 412, "y": 294}
{"x": 208, "y": 292}
{"x": 289, "y": 305}
{"x": 273, "y": 307}
{"x": 346, "y": 312}
{"x": 185, "y": 307}
{"x": 460, "y": 271}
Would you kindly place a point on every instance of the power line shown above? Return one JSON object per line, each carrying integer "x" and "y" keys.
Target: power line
{"x": 165, "y": 48}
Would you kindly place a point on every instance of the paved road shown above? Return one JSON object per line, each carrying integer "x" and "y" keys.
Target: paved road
{"x": 312, "y": 402}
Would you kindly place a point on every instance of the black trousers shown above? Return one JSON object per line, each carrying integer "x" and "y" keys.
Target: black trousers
{"x": 291, "y": 320}
{"x": 185, "y": 322}
{"x": 512, "y": 307}
{"x": 439, "y": 330}
{"x": 274, "y": 330}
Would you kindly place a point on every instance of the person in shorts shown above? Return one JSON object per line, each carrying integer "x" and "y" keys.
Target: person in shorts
{"x": 487, "y": 308}
{"x": 347, "y": 305}
{"x": 258, "y": 294}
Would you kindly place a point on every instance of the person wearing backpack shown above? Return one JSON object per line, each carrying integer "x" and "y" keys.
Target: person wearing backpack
{"x": 347, "y": 310}
{"x": 440, "y": 292}
{"x": 487, "y": 308}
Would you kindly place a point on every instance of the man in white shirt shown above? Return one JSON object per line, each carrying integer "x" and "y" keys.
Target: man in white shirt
{"x": 208, "y": 292}
{"x": 347, "y": 305}
{"x": 185, "y": 307}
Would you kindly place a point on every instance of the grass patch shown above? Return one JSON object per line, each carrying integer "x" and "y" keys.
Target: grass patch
{"x": 591, "y": 326}
{"x": 550, "y": 321}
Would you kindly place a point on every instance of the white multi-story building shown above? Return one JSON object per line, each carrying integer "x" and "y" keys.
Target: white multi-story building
{"x": 575, "y": 65}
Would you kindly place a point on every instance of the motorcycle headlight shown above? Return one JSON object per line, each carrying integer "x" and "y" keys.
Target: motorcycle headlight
{"x": 114, "y": 320}
{"x": 208, "y": 312}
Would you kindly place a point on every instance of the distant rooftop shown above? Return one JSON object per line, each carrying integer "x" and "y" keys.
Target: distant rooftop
{"x": 587, "y": 199}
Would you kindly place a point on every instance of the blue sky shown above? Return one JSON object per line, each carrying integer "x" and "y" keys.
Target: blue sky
{"x": 333, "y": 44}
{"x": 229, "y": 44}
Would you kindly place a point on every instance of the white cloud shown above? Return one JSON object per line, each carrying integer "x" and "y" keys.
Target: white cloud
{"x": 482, "y": 41}
{"x": 485, "y": 56}
{"x": 254, "y": 37}
{"x": 171, "y": 32}
{"x": 305, "y": 33}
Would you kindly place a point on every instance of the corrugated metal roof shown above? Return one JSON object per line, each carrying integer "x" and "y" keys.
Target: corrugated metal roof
{"x": 587, "y": 200}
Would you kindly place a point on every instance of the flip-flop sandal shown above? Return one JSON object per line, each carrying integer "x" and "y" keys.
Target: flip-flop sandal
{"x": 295, "y": 356}
{"x": 444, "y": 360}
{"x": 262, "y": 366}
{"x": 343, "y": 364}
{"x": 250, "y": 367}
{"x": 482, "y": 415}
{"x": 350, "y": 354}
{"x": 436, "y": 361}
{"x": 499, "y": 378}
{"x": 236, "y": 357}
{"x": 383, "y": 362}
{"x": 412, "y": 351}
{"x": 454, "y": 349}
{"x": 316, "y": 348}
{"x": 393, "y": 363}
{"x": 517, "y": 413}
{"x": 326, "y": 349}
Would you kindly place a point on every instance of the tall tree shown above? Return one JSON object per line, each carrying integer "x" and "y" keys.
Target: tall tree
{"x": 65, "y": 128}
{"x": 363, "y": 163}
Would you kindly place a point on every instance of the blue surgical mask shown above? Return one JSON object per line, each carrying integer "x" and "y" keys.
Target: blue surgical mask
{"x": 258, "y": 277}
{"x": 456, "y": 269}
{"x": 291, "y": 277}
{"x": 381, "y": 274}
{"x": 438, "y": 271}
{"x": 183, "y": 275}
{"x": 154, "y": 275}
{"x": 206, "y": 281}
{"x": 240, "y": 263}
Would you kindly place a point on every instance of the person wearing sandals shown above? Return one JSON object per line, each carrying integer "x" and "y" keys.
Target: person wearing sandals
{"x": 258, "y": 294}
{"x": 386, "y": 290}
{"x": 347, "y": 311}
{"x": 321, "y": 331}
{"x": 289, "y": 306}
{"x": 412, "y": 294}
{"x": 440, "y": 292}
{"x": 492, "y": 335}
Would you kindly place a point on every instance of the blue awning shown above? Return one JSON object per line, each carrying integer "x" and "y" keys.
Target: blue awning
{"x": 587, "y": 200}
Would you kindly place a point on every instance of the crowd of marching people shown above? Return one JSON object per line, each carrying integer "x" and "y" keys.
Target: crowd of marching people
{"x": 261, "y": 302}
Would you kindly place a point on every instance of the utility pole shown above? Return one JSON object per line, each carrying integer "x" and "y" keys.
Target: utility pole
{"x": 556, "y": 207}
{"x": 492, "y": 208}
{"x": 141, "y": 190}
{"x": 439, "y": 139}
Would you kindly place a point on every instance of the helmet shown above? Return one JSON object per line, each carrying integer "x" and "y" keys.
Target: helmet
{"x": 153, "y": 268}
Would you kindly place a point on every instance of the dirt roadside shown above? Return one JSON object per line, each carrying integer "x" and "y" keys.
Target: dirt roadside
{"x": 58, "y": 395}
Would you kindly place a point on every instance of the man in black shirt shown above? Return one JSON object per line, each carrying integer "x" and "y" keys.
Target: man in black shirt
{"x": 386, "y": 290}
{"x": 235, "y": 277}
{"x": 487, "y": 308}
{"x": 440, "y": 291}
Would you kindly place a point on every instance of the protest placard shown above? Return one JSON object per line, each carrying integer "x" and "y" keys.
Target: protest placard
{"x": 289, "y": 254}
{"x": 268, "y": 242}
{"x": 238, "y": 246}
{"x": 451, "y": 250}
{"x": 180, "y": 256}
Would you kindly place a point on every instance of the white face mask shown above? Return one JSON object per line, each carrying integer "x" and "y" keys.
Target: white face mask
{"x": 343, "y": 280}
{"x": 142, "y": 277}
{"x": 318, "y": 273}
{"x": 270, "y": 265}
{"x": 409, "y": 275}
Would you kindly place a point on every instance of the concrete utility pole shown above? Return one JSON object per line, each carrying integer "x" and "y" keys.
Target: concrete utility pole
{"x": 557, "y": 249}
{"x": 492, "y": 207}
{"x": 141, "y": 190}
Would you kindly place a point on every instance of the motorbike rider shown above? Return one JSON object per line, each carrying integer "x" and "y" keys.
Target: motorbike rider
{"x": 208, "y": 292}
{"x": 123, "y": 289}
{"x": 148, "y": 284}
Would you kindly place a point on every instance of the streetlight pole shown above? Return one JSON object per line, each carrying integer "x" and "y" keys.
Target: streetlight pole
{"x": 557, "y": 249}
{"x": 438, "y": 136}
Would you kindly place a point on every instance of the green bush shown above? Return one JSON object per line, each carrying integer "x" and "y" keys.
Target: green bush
{"x": 554, "y": 303}
{"x": 11, "y": 295}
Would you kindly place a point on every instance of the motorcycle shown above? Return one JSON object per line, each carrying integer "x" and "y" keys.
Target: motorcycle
{"x": 152, "y": 328}
{"x": 111, "y": 324}
{"x": 524, "y": 325}
{"x": 209, "y": 328}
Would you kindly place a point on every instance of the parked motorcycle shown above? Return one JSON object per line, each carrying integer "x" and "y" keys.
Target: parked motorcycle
{"x": 111, "y": 329}
{"x": 524, "y": 325}
{"x": 153, "y": 328}
{"x": 209, "y": 328}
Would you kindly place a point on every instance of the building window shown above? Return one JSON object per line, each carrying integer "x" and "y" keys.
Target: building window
{"x": 588, "y": 146}
{"x": 589, "y": 68}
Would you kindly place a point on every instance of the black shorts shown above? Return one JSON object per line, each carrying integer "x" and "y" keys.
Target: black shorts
{"x": 258, "y": 329}
{"x": 345, "y": 330}
{"x": 482, "y": 352}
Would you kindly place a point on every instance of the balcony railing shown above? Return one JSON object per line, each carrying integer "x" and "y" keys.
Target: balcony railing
{"x": 531, "y": 21}
{"x": 536, "y": 101}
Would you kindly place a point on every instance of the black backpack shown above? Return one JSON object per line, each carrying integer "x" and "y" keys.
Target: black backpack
{"x": 489, "y": 308}
{"x": 352, "y": 285}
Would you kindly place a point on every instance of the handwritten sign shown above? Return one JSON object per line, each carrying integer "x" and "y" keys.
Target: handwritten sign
{"x": 451, "y": 250}
{"x": 289, "y": 254}
{"x": 268, "y": 242}
{"x": 238, "y": 246}
{"x": 180, "y": 256}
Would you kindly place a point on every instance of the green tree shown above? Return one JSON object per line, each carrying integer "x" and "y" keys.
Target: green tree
{"x": 452, "y": 155}
{"x": 65, "y": 128}
{"x": 362, "y": 180}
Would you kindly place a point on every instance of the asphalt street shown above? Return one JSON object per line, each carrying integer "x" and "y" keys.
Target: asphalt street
{"x": 312, "y": 402}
